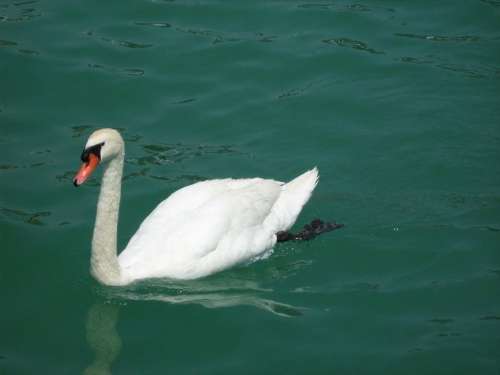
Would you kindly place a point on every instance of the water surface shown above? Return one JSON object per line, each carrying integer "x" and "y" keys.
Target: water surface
{"x": 396, "y": 103}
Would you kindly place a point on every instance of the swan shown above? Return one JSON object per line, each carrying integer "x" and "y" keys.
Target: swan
{"x": 198, "y": 230}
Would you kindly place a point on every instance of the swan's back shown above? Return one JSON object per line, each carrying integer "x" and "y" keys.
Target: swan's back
{"x": 212, "y": 225}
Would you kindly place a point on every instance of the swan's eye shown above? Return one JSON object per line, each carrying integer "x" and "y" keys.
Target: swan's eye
{"x": 96, "y": 150}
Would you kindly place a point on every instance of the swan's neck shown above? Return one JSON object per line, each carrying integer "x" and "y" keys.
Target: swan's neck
{"x": 104, "y": 264}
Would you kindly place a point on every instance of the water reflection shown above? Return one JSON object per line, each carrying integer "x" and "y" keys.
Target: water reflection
{"x": 211, "y": 293}
{"x": 102, "y": 318}
{"x": 102, "y": 337}
{"x": 218, "y": 300}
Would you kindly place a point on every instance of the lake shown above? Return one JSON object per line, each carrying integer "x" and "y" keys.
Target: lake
{"x": 397, "y": 104}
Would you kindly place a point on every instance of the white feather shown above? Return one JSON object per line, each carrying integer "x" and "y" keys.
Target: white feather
{"x": 198, "y": 230}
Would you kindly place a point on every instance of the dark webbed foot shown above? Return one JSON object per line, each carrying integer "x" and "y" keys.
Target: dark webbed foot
{"x": 315, "y": 228}
{"x": 283, "y": 236}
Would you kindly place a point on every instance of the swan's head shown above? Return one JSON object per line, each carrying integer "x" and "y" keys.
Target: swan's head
{"x": 103, "y": 145}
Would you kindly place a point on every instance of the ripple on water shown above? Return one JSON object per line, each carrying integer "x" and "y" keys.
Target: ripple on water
{"x": 477, "y": 72}
{"x": 490, "y": 317}
{"x": 160, "y": 154}
{"x": 185, "y": 101}
{"x": 187, "y": 178}
{"x": 467, "y": 70}
{"x": 334, "y": 6}
{"x": 496, "y": 272}
{"x": 471, "y": 72}
{"x": 351, "y": 43}
{"x": 162, "y": 25}
{"x": 28, "y": 52}
{"x": 19, "y": 11}
{"x": 217, "y": 37}
{"x": 261, "y": 37}
{"x": 495, "y": 3}
{"x": 6, "y": 167}
{"x": 337, "y": 7}
{"x": 290, "y": 268}
{"x": 7, "y": 43}
{"x": 143, "y": 172}
{"x": 295, "y": 91}
{"x": 415, "y": 60}
{"x": 442, "y": 38}
{"x": 118, "y": 42}
{"x": 39, "y": 156}
{"x": 128, "y": 44}
{"x": 11, "y": 44}
{"x": 79, "y": 131}
{"x": 441, "y": 320}
{"x": 32, "y": 218}
{"x": 134, "y": 72}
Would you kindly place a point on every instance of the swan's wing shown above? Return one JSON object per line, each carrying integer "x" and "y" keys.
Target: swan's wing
{"x": 194, "y": 196}
{"x": 195, "y": 221}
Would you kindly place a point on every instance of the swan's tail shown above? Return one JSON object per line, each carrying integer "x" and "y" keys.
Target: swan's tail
{"x": 293, "y": 197}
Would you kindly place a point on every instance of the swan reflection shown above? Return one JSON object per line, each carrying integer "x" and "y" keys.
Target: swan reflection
{"x": 214, "y": 293}
{"x": 102, "y": 337}
{"x": 102, "y": 318}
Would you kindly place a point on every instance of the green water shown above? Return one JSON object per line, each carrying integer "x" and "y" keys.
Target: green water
{"x": 396, "y": 102}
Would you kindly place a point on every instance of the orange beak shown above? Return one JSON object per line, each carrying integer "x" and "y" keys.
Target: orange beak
{"x": 86, "y": 170}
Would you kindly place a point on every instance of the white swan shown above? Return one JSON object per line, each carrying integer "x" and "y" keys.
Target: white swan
{"x": 198, "y": 230}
